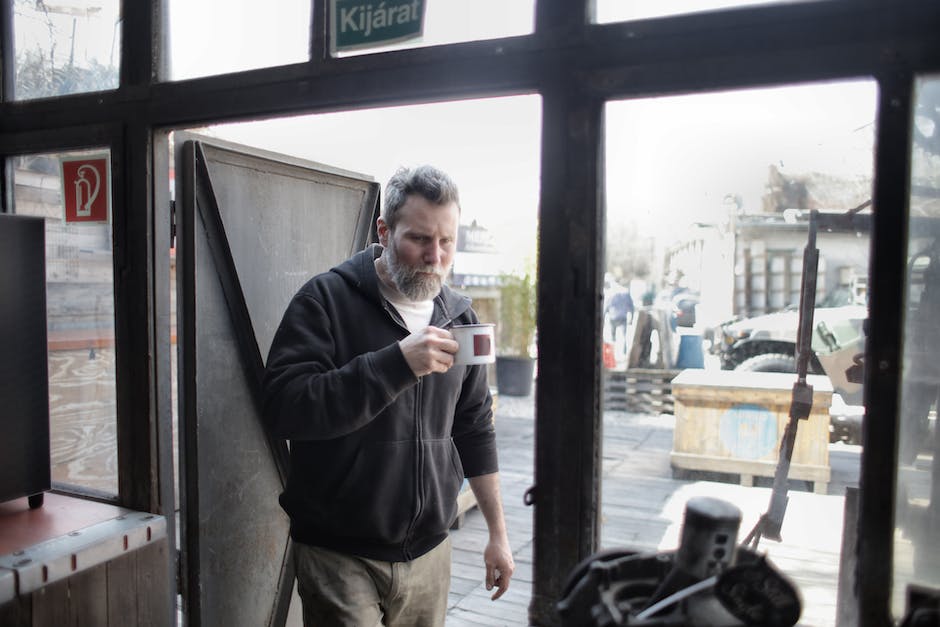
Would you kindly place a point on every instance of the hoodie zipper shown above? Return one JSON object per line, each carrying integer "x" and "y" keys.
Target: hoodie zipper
{"x": 419, "y": 436}
{"x": 394, "y": 315}
{"x": 418, "y": 469}
{"x": 406, "y": 542}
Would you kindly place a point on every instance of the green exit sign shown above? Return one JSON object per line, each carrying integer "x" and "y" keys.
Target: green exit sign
{"x": 369, "y": 23}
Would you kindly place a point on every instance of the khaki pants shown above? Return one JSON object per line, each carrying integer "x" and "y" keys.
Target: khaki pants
{"x": 339, "y": 590}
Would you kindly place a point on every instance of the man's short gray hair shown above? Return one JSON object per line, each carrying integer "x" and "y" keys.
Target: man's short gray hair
{"x": 427, "y": 181}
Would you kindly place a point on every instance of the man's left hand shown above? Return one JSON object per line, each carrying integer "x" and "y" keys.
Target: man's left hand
{"x": 499, "y": 566}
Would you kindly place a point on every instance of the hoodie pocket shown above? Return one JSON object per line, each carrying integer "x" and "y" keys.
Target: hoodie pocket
{"x": 376, "y": 499}
{"x": 441, "y": 482}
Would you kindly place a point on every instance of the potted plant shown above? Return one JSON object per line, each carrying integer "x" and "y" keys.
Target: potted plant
{"x": 516, "y": 334}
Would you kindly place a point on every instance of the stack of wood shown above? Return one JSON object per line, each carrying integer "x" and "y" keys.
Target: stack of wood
{"x": 640, "y": 390}
{"x": 644, "y": 387}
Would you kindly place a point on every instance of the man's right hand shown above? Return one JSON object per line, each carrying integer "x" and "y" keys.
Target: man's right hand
{"x": 429, "y": 350}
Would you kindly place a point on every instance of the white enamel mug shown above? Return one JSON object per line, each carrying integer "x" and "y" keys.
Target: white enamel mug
{"x": 476, "y": 344}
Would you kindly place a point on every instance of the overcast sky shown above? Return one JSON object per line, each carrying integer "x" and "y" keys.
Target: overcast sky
{"x": 675, "y": 159}
{"x": 670, "y": 161}
{"x": 490, "y": 148}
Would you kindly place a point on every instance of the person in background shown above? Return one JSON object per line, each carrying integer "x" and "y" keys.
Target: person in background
{"x": 619, "y": 311}
{"x": 383, "y": 427}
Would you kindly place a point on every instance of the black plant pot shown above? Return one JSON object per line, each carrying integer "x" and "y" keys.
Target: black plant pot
{"x": 514, "y": 375}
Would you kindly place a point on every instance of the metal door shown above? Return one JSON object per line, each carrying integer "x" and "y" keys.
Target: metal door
{"x": 252, "y": 228}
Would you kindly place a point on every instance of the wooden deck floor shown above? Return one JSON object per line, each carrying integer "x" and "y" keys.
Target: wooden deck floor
{"x": 642, "y": 504}
{"x": 642, "y": 508}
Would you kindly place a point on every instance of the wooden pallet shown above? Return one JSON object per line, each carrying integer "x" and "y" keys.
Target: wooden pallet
{"x": 641, "y": 390}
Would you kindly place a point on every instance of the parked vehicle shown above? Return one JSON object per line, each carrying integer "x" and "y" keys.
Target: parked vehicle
{"x": 767, "y": 343}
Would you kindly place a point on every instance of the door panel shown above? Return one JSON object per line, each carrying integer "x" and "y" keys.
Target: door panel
{"x": 285, "y": 221}
{"x": 253, "y": 227}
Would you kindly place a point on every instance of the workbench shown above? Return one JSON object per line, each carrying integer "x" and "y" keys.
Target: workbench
{"x": 77, "y": 561}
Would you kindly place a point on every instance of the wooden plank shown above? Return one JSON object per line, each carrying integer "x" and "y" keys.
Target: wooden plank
{"x": 567, "y": 463}
{"x": 510, "y": 609}
{"x": 144, "y": 49}
{"x": 152, "y": 585}
{"x": 51, "y": 605}
{"x": 697, "y": 383}
{"x": 882, "y": 386}
{"x": 122, "y": 598}
{"x": 467, "y": 576}
{"x": 639, "y": 390}
{"x": 17, "y": 613}
{"x": 685, "y": 52}
{"x": 7, "y": 83}
{"x": 88, "y": 597}
{"x": 472, "y": 617}
{"x": 847, "y": 600}
{"x": 134, "y": 281}
{"x": 754, "y": 467}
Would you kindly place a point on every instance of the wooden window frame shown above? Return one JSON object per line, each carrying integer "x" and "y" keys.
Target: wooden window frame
{"x": 576, "y": 67}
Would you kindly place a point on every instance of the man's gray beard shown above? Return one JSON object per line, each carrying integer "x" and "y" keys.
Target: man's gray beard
{"x": 411, "y": 282}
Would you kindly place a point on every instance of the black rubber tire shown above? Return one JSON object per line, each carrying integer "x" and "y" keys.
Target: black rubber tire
{"x": 768, "y": 362}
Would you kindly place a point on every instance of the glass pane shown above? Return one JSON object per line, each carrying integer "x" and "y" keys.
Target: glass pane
{"x": 709, "y": 199}
{"x": 624, "y": 10}
{"x": 916, "y": 550}
{"x": 80, "y": 319}
{"x": 66, "y": 47}
{"x": 491, "y": 149}
{"x": 453, "y": 21}
{"x": 476, "y": 132}
{"x": 210, "y": 37}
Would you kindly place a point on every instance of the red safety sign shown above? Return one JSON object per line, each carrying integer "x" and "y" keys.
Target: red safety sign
{"x": 86, "y": 188}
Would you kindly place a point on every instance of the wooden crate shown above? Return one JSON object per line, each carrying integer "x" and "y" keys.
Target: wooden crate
{"x": 641, "y": 390}
{"x": 732, "y": 422}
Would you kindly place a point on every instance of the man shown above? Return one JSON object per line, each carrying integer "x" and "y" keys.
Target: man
{"x": 383, "y": 426}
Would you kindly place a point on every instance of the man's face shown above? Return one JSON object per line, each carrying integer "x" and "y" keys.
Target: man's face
{"x": 420, "y": 250}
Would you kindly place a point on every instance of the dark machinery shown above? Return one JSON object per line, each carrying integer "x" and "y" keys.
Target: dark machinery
{"x": 708, "y": 581}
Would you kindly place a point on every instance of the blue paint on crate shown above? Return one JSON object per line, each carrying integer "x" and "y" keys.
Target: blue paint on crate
{"x": 748, "y": 431}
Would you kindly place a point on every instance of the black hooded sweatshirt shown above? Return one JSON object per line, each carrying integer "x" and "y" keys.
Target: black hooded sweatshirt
{"x": 378, "y": 455}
